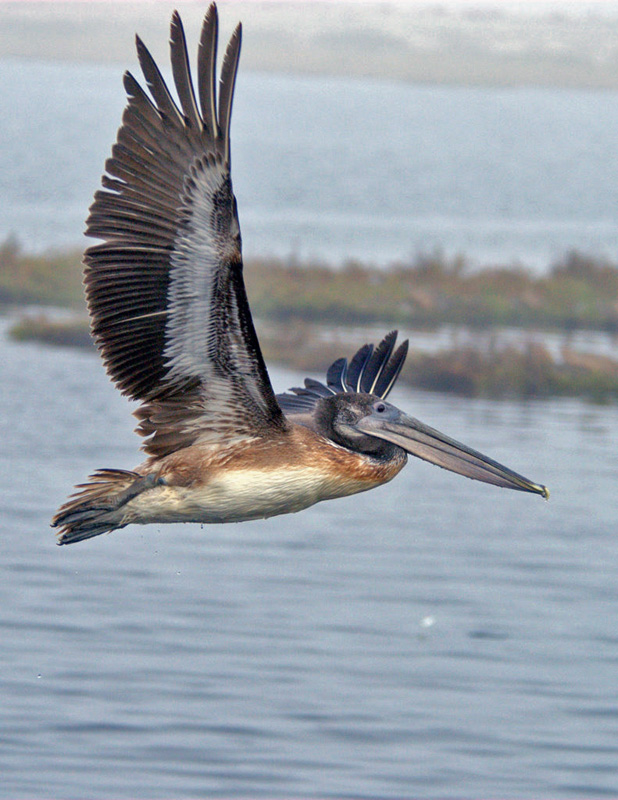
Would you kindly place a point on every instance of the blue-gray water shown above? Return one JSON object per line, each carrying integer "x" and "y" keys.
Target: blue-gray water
{"x": 295, "y": 656}
{"x": 434, "y": 637}
{"x": 340, "y": 168}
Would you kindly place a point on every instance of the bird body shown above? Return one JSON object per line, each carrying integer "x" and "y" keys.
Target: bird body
{"x": 262, "y": 479}
{"x": 249, "y": 479}
{"x": 171, "y": 318}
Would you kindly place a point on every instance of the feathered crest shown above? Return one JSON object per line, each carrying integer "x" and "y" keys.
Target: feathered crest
{"x": 372, "y": 370}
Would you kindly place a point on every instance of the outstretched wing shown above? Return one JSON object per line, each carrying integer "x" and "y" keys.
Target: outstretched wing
{"x": 165, "y": 288}
{"x": 372, "y": 370}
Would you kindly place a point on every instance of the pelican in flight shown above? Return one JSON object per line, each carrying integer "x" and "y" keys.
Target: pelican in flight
{"x": 171, "y": 319}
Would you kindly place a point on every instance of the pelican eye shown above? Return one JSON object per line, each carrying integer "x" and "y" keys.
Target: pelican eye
{"x": 380, "y": 408}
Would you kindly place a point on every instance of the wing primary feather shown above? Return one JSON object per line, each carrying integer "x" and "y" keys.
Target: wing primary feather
{"x": 294, "y": 404}
{"x": 151, "y": 315}
{"x": 391, "y": 372}
{"x": 206, "y": 71}
{"x": 318, "y": 388}
{"x": 336, "y": 374}
{"x": 377, "y": 362}
{"x": 156, "y": 84}
{"x": 182, "y": 72}
{"x": 139, "y": 98}
{"x": 226, "y": 88}
{"x": 357, "y": 367}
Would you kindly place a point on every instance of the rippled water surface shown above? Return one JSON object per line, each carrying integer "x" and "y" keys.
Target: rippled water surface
{"x": 432, "y": 638}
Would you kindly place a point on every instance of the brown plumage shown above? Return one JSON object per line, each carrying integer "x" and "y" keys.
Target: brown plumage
{"x": 171, "y": 319}
{"x": 297, "y": 447}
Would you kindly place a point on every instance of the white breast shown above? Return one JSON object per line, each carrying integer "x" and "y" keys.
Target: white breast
{"x": 243, "y": 494}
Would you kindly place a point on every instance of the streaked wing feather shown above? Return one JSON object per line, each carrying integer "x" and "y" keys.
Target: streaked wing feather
{"x": 336, "y": 375}
{"x": 158, "y": 88}
{"x": 377, "y": 362}
{"x": 226, "y": 88}
{"x": 142, "y": 105}
{"x": 206, "y": 70}
{"x": 294, "y": 404}
{"x": 318, "y": 388}
{"x": 391, "y": 371}
{"x": 182, "y": 72}
{"x": 356, "y": 368}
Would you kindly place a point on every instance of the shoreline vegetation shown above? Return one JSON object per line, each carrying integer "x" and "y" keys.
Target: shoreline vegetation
{"x": 305, "y": 311}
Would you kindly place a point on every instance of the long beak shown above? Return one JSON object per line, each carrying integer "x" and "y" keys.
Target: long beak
{"x": 429, "y": 444}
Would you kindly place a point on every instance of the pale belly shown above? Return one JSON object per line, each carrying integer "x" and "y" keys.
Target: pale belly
{"x": 244, "y": 494}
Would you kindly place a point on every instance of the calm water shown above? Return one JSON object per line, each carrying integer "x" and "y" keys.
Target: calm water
{"x": 339, "y": 168}
{"x": 295, "y": 657}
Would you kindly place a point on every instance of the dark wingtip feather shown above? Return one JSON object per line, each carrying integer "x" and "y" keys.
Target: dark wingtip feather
{"x": 227, "y": 84}
{"x": 391, "y": 371}
{"x": 356, "y": 368}
{"x": 296, "y": 404}
{"x": 206, "y": 70}
{"x": 377, "y": 363}
{"x": 336, "y": 375}
{"x": 182, "y": 72}
{"x": 318, "y": 388}
{"x": 156, "y": 83}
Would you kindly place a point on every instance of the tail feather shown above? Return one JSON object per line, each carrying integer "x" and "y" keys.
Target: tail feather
{"x": 97, "y": 507}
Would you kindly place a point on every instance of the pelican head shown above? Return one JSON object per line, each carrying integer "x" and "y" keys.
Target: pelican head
{"x": 368, "y": 424}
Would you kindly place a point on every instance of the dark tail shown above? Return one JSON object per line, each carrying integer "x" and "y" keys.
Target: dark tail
{"x": 98, "y": 506}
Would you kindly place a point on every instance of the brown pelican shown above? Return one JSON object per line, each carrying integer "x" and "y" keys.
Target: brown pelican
{"x": 170, "y": 316}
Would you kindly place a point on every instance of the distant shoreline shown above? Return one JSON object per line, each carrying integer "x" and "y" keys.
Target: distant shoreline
{"x": 525, "y": 369}
{"x": 300, "y": 307}
{"x": 578, "y": 292}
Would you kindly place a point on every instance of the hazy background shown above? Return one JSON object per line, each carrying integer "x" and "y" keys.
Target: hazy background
{"x": 533, "y": 43}
{"x": 361, "y": 130}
